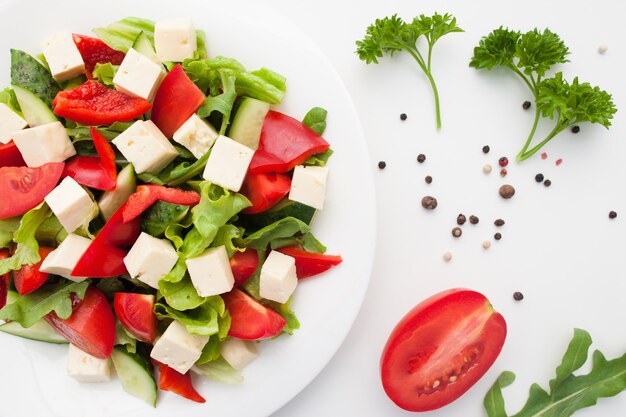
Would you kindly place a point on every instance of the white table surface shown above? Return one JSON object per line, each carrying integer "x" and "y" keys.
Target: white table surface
{"x": 558, "y": 245}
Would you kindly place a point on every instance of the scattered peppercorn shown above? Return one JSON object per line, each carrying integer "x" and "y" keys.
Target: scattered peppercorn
{"x": 421, "y": 158}
{"x": 457, "y": 232}
{"x": 507, "y": 191}
{"x": 547, "y": 183}
{"x": 575, "y": 129}
{"x": 539, "y": 177}
{"x": 447, "y": 256}
{"x": 487, "y": 169}
{"x": 518, "y": 296}
{"x": 473, "y": 219}
{"x": 526, "y": 105}
{"x": 499, "y": 222}
{"x": 497, "y": 236}
{"x": 486, "y": 244}
{"x": 486, "y": 149}
{"x": 403, "y": 116}
{"x": 503, "y": 172}
{"x": 429, "y": 203}
{"x": 382, "y": 165}
{"x": 460, "y": 219}
{"x": 612, "y": 214}
{"x": 428, "y": 179}
{"x": 504, "y": 161}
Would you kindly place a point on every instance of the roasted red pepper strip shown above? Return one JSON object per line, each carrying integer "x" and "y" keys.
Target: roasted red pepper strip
{"x": 95, "y": 172}
{"x": 94, "y": 51}
{"x": 309, "y": 264}
{"x": 172, "y": 380}
{"x": 147, "y": 195}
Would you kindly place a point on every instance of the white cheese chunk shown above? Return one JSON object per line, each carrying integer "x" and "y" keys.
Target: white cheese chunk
{"x": 196, "y": 135}
{"x": 63, "y": 57}
{"x": 150, "y": 259}
{"x": 138, "y": 76}
{"x": 278, "y": 277}
{"x": 308, "y": 186}
{"x": 42, "y": 144}
{"x": 175, "y": 39}
{"x": 177, "y": 348}
{"x": 10, "y": 122}
{"x": 210, "y": 272}
{"x": 146, "y": 147}
{"x": 238, "y": 353}
{"x": 228, "y": 163}
{"x": 86, "y": 368}
{"x": 63, "y": 259}
{"x": 71, "y": 204}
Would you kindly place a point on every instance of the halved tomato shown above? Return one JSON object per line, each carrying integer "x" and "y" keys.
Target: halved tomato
{"x": 440, "y": 349}
{"x": 28, "y": 278}
{"x": 265, "y": 190}
{"x": 4, "y": 280}
{"x": 172, "y": 380}
{"x": 250, "y": 320}
{"x": 243, "y": 264}
{"x": 135, "y": 312}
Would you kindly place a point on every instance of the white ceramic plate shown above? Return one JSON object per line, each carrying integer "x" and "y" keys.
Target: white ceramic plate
{"x": 33, "y": 379}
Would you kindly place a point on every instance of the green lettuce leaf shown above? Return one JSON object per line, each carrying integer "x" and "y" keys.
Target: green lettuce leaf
{"x": 162, "y": 215}
{"x": 316, "y": 120}
{"x": 177, "y": 172}
{"x": 284, "y": 228}
{"x": 123, "y": 338}
{"x": 201, "y": 320}
{"x": 180, "y": 295}
{"x": 211, "y": 351}
{"x": 285, "y": 310}
{"x": 219, "y": 370}
{"x": 228, "y": 236}
{"x": 7, "y": 96}
{"x": 320, "y": 159}
{"x": 222, "y": 102}
{"x": 251, "y": 286}
{"x": 105, "y": 73}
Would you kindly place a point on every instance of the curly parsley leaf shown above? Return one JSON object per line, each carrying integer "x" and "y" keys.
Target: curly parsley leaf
{"x": 537, "y": 52}
{"x": 496, "y": 49}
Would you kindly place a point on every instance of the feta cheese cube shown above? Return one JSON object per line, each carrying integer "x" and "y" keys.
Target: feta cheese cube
{"x": 42, "y": 144}
{"x": 138, "y": 76}
{"x": 177, "y": 348}
{"x": 146, "y": 147}
{"x": 63, "y": 259}
{"x": 71, "y": 204}
{"x": 308, "y": 186}
{"x": 238, "y": 353}
{"x": 278, "y": 277}
{"x": 150, "y": 259}
{"x": 63, "y": 57}
{"x": 196, "y": 135}
{"x": 86, "y": 368}
{"x": 10, "y": 122}
{"x": 228, "y": 163}
{"x": 174, "y": 39}
{"x": 210, "y": 272}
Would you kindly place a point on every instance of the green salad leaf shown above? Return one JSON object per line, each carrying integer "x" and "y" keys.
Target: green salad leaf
{"x": 222, "y": 102}
{"x": 162, "y": 215}
{"x": 284, "y": 228}
{"x": 201, "y": 320}
{"x": 105, "y": 73}
{"x": 285, "y": 310}
{"x": 7, "y": 96}
{"x": 219, "y": 370}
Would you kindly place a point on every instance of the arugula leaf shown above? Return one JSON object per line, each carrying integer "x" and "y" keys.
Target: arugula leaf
{"x": 568, "y": 392}
{"x": 391, "y": 34}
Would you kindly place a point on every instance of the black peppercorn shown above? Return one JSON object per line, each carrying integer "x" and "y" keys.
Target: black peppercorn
{"x": 499, "y": 222}
{"x": 421, "y": 158}
{"x": 497, "y": 236}
{"x": 429, "y": 203}
{"x": 403, "y": 116}
{"x": 382, "y": 165}
{"x": 473, "y": 219}
{"x": 486, "y": 149}
{"x": 518, "y": 296}
{"x": 539, "y": 177}
{"x": 547, "y": 183}
{"x": 457, "y": 232}
{"x": 612, "y": 214}
{"x": 526, "y": 105}
{"x": 428, "y": 179}
{"x": 575, "y": 129}
{"x": 460, "y": 219}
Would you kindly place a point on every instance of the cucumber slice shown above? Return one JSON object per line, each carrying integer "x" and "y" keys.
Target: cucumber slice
{"x": 40, "y": 331}
{"x": 286, "y": 208}
{"x": 28, "y": 73}
{"x": 36, "y": 112}
{"x": 143, "y": 45}
{"x": 110, "y": 201}
{"x": 248, "y": 121}
{"x": 160, "y": 215}
{"x": 135, "y": 373}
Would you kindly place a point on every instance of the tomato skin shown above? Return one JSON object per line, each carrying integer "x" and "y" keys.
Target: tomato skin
{"x": 10, "y": 156}
{"x": 309, "y": 264}
{"x": 452, "y": 337}
{"x": 172, "y": 380}
{"x": 250, "y": 320}
{"x": 22, "y": 188}
{"x": 265, "y": 190}
{"x": 96, "y": 172}
{"x": 28, "y": 278}
{"x": 4, "y": 280}
{"x": 243, "y": 264}
{"x": 94, "y": 51}
{"x": 175, "y": 101}
{"x": 135, "y": 312}
{"x": 94, "y": 104}
{"x": 147, "y": 195}
{"x": 91, "y": 327}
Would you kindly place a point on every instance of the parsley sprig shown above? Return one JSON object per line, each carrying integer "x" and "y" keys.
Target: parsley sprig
{"x": 391, "y": 34}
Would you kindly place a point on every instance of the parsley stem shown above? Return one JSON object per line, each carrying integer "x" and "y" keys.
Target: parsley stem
{"x": 418, "y": 57}
{"x": 523, "y": 77}
{"x": 523, "y": 156}
{"x": 530, "y": 135}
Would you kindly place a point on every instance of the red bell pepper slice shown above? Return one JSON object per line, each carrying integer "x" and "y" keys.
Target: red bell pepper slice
{"x": 10, "y": 156}
{"x": 94, "y": 51}
{"x": 4, "y": 280}
{"x": 175, "y": 101}
{"x": 95, "y": 172}
{"x": 243, "y": 264}
{"x": 93, "y": 104}
{"x": 265, "y": 190}
{"x": 309, "y": 264}
{"x": 147, "y": 195}
{"x": 285, "y": 142}
{"x": 172, "y": 380}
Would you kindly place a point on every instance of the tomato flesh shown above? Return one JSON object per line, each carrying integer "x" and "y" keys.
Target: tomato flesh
{"x": 251, "y": 320}
{"x": 243, "y": 264}
{"x": 265, "y": 190}
{"x": 94, "y": 51}
{"x": 309, "y": 264}
{"x": 96, "y": 172}
{"x": 135, "y": 312}
{"x": 440, "y": 349}
{"x": 10, "y": 156}
{"x": 173, "y": 381}
{"x": 22, "y": 188}
{"x": 28, "y": 278}
{"x": 4, "y": 280}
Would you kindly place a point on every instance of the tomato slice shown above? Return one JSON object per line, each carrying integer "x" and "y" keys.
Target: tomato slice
{"x": 96, "y": 172}
{"x": 440, "y": 349}
{"x": 285, "y": 142}
{"x": 22, "y": 188}
{"x": 91, "y": 327}
{"x": 243, "y": 264}
{"x": 10, "y": 156}
{"x": 265, "y": 190}
{"x": 147, "y": 195}
{"x": 4, "y": 280}
{"x": 29, "y": 278}
{"x": 309, "y": 264}
{"x": 251, "y": 320}
{"x": 175, "y": 101}
{"x": 135, "y": 312}
{"x": 93, "y": 104}
{"x": 172, "y": 380}
{"x": 94, "y": 51}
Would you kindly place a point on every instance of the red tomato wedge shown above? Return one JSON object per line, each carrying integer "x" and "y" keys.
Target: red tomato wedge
{"x": 10, "y": 156}
{"x": 285, "y": 142}
{"x": 175, "y": 101}
{"x": 309, "y": 264}
{"x": 22, "y": 188}
{"x": 265, "y": 190}
{"x": 93, "y": 104}
{"x": 28, "y": 278}
{"x": 94, "y": 51}
{"x": 251, "y": 320}
{"x": 91, "y": 327}
{"x": 147, "y": 195}
{"x": 243, "y": 264}
{"x": 135, "y": 313}
{"x": 440, "y": 349}
{"x": 4, "y": 280}
{"x": 172, "y": 380}
{"x": 95, "y": 172}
